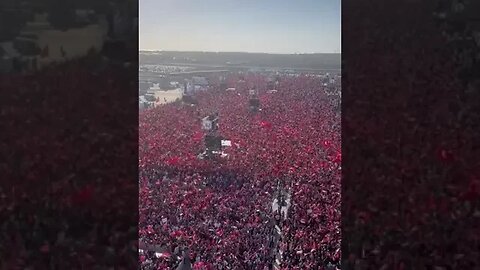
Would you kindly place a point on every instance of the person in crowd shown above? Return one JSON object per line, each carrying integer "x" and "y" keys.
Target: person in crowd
{"x": 222, "y": 209}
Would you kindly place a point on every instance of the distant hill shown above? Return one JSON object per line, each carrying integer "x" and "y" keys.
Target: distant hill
{"x": 300, "y": 61}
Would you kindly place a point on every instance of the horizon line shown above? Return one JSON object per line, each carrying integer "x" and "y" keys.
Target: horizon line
{"x": 149, "y": 50}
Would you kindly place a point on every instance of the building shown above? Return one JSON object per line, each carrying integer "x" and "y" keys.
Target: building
{"x": 154, "y": 88}
{"x": 194, "y": 85}
{"x": 144, "y": 86}
{"x": 144, "y": 103}
{"x": 200, "y": 83}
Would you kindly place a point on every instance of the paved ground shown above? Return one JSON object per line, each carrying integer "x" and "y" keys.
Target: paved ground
{"x": 168, "y": 96}
{"x": 284, "y": 209}
{"x": 278, "y": 232}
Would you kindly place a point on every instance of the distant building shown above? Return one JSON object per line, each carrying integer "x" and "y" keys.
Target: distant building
{"x": 200, "y": 83}
{"x": 144, "y": 86}
{"x": 155, "y": 87}
{"x": 145, "y": 103}
{"x": 194, "y": 85}
{"x": 150, "y": 97}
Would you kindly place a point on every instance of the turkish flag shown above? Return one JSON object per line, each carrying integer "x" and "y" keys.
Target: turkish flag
{"x": 197, "y": 136}
{"x": 265, "y": 124}
{"x": 173, "y": 161}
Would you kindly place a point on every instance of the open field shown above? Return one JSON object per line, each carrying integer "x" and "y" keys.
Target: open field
{"x": 167, "y": 96}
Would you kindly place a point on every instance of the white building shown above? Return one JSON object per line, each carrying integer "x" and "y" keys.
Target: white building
{"x": 155, "y": 87}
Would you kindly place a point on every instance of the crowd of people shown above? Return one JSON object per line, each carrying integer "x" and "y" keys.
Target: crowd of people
{"x": 221, "y": 209}
{"x": 410, "y": 191}
{"x": 458, "y": 23}
{"x": 68, "y": 172}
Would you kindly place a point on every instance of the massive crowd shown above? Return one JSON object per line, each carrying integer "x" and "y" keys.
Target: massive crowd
{"x": 65, "y": 194}
{"x": 221, "y": 209}
{"x": 410, "y": 192}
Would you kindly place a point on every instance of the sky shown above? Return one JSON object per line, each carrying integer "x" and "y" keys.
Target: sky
{"x": 269, "y": 26}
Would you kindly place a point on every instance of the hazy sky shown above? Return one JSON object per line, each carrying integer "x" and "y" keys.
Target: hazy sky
{"x": 272, "y": 26}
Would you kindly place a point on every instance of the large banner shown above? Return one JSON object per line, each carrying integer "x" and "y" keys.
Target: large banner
{"x": 226, "y": 143}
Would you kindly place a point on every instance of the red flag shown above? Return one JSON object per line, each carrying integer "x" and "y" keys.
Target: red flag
{"x": 173, "y": 161}
{"x": 164, "y": 254}
{"x": 197, "y": 136}
{"x": 176, "y": 233}
{"x": 200, "y": 266}
{"x": 338, "y": 158}
{"x": 265, "y": 124}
